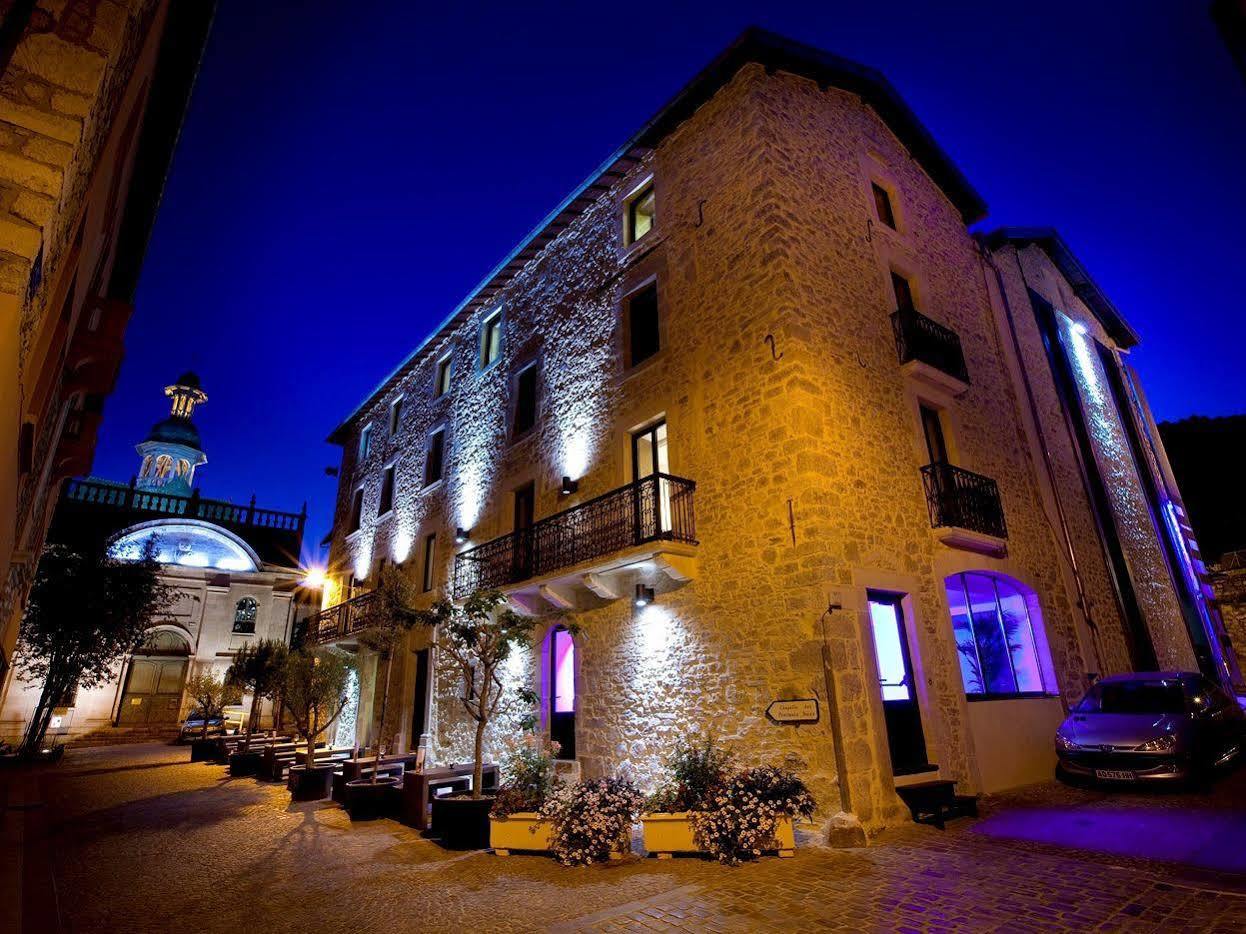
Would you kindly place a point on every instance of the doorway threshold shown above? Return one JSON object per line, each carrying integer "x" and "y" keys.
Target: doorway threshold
{"x": 917, "y": 776}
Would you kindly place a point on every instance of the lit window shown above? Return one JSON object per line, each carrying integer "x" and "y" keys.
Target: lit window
{"x": 430, "y": 549}
{"x": 903, "y": 291}
{"x": 387, "y": 491}
{"x": 882, "y": 205}
{"x": 442, "y": 386}
{"x": 434, "y": 461}
{"x": 365, "y": 441}
{"x": 245, "y": 611}
{"x": 526, "y": 391}
{"x": 491, "y": 340}
{"x": 395, "y": 415}
{"x": 640, "y": 214}
{"x": 993, "y": 620}
{"x": 356, "y": 510}
{"x": 164, "y": 466}
{"x": 642, "y": 324}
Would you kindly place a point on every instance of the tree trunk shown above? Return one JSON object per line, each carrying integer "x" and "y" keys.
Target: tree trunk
{"x": 255, "y": 701}
{"x": 39, "y": 720}
{"x": 389, "y": 664}
{"x": 478, "y": 767}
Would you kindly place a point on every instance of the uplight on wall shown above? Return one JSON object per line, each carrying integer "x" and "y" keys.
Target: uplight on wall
{"x": 644, "y": 595}
{"x": 461, "y": 535}
{"x": 569, "y": 486}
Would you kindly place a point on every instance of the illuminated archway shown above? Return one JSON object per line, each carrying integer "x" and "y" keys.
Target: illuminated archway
{"x": 186, "y": 542}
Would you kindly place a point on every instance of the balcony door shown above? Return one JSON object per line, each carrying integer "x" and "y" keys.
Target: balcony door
{"x": 525, "y": 510}
{"x": 905, "y": 738}
{"x": 649, "y": 459}
{"x": 562, "y": 691}
{"x": 936, "y": 441}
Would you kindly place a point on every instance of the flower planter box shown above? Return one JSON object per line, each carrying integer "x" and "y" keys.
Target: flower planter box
{"x": 244, "y": 763}
{"x": 365, "y": 799}
{"x": 668, "y": 834}
{"x": 523, "y": 830}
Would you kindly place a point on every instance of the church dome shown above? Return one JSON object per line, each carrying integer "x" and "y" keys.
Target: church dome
{"x": 174, "y": 430}
{"x": 189, "y": 379}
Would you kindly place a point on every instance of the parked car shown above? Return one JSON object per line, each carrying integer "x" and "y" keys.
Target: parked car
{"x": 231, "y": 722}
{"x": 1168, "y": 726}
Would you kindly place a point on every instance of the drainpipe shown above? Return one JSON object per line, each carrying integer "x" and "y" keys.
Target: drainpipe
{"x": 1083, "y": 602}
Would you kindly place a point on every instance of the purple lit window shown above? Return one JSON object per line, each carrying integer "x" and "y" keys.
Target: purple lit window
{"x": 991, "y": 620}
{"x": 564, "y": 672}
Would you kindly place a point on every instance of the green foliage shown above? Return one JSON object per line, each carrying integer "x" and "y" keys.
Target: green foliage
{"x": 590, "y": 819}
{"x": 314, "y": 691}
{"x": 258, "y": 667}
{"x": 530, "y": 777}
{"x": 210, "y": 695}
{"x": 86, "y": 612}
{"x": 695, "y": 769}
{"x": 390, "y": 618}
{"x": 741, "y": 815}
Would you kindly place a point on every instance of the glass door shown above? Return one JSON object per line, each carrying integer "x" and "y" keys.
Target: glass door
{"x": 562, "y": 692}
{"x": 905, "y": 738}
{"x": 649, "y": 459}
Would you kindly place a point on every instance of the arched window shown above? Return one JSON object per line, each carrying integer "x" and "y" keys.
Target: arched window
{"x": 999, "y": 641}
{"x": 163, "y": 642}
{"x": 146, "y": 471}
{"x": 164, "y": 466}
{"x": 244, "y": 614}
{"x": 183, "y": 467}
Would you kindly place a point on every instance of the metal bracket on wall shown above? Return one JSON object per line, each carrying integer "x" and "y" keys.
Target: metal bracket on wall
{"x": 774, "y": 355}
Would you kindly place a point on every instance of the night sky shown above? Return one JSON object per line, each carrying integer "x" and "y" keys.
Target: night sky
{"x": 348, "y": 172}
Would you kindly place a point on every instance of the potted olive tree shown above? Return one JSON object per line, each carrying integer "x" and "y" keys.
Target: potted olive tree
{"x": 210, "y": 694}
{"x": 315, "y": 692}
{"x": 391, "y": 618}
{"x": 476, "y": 639}
{"x": 257, "y": 668}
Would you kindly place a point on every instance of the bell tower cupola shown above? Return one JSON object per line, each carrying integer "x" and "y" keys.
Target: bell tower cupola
{"x": 172, "y": 449}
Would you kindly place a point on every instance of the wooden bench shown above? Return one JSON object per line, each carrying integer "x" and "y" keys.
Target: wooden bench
{"x": 365, "y": 766}
{"x": 279, "y": 756}
{"x": 324, "y": 756}
{"x": 419, "y": 789}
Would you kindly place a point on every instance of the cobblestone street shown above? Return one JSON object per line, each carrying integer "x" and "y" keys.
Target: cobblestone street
{"x": 138, "y": 839}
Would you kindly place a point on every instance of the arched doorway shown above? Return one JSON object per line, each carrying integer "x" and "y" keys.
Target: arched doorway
{"x": 154, "y": 681}
{"x": 562, "y": 691}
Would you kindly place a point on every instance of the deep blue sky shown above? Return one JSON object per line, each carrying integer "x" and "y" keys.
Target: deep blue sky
{"x": 348, "y": 172}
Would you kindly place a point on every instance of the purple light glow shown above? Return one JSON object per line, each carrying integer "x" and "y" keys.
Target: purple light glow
{"x": 564, "y": 672}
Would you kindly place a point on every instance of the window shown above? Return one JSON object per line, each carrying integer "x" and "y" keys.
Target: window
{"x": 526, "y": 390}
{"x": 434, "y": 461}
{"x": 430, "y": 552}
{"x": 882, "y": 204}
{"x": 491, "y": 340}
{"x": 932, "y": 428}
{"x": 365, "y": 441}
{"x": 642, "y": 324}
{"x": 442, "y": 384}
{"x": 387, "y": 491}
{"x": 993, "y": 621}
{"x": 245, "y": 611}
{"x": 395, "y": 415}
{"x": 903, "y": 292}
{"x": 356, "y": 510}
{"x": 640, "y": 214}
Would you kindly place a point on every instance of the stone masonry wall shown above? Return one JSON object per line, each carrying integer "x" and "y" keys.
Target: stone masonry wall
{"x": 806, "y": 454}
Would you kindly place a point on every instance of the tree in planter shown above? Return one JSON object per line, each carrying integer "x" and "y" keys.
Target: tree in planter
{"x": 258, "y": 667}
{"x": 390, "y": 619}
{"x": 478, "y": 638}
{"x": 210, "y": 694}
{"x": 87, "y": 611}
{"x": 314, "y": 692}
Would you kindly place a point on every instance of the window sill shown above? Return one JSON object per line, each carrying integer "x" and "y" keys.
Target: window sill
{"x": 432, "y": 486}
{"x": 638, "y": 248}
{"x": 1021, "y": 695}
{"x": 643, "y": 365}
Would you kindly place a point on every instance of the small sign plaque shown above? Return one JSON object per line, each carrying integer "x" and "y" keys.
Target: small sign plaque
{"x": 799, "y": 710}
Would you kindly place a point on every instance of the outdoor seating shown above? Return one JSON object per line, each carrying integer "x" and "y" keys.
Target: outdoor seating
{"x": 419, "y": 789}
{"x": 366, "y": 766}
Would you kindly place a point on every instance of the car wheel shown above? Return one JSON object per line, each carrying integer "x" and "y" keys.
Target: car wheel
{"x": 1067, "y": 778}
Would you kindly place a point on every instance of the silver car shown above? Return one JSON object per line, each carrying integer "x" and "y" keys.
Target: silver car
{"x": 1166, "y": 726}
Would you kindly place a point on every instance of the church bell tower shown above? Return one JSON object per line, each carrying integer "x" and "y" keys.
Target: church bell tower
{"x": 172, "y": 449}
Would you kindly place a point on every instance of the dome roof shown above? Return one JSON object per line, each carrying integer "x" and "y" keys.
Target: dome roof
{"x": 190, "y": 379}
{"x": 174, "y": 430}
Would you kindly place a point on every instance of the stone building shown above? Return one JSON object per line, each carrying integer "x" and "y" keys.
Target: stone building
{"x": 235, "y": 569}
{"x": 757, "y": 409}
{"x": 92, "y": 94}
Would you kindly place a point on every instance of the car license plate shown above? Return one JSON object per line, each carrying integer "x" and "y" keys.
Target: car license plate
{"x": 1116, "y": 775}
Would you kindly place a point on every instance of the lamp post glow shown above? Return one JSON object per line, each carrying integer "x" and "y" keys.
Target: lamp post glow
{"x": 314, "y": 578}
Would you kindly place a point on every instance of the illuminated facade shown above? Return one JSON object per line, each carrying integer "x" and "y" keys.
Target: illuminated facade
{"x": 756, "y": 409}
{"x": 235, "y": 569}
{"x": 91, "y": 103}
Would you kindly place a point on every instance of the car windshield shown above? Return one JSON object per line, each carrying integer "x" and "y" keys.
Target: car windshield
{"x": 1146, "y": 697}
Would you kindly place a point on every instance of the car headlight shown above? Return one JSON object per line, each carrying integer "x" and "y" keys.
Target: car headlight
{"x": 1064, "y": 744}
{"x": 1163, "y": 743}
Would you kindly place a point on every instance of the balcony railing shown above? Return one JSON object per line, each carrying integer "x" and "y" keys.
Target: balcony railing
{"x": 960, "y": 499}
{"x": 116, "y": 496}
{"x": 919, "y": 338}
{"x": 342, "y": 620}
{"x": 655, "y": 508}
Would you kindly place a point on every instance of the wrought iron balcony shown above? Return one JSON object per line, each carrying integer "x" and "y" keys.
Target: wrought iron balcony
{"x": 964, "y": 500}
{"x": 341, "y": 620}
{"x": 921, "y": 339}
{"x": 655, "y": 508}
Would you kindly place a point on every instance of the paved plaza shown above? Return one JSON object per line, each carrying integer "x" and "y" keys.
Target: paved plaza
{"x": 139, "y": 839}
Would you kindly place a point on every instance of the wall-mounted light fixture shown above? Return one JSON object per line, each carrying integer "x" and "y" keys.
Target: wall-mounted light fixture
{"x": 461, "y": 535}
{"x": 569, "y": 486}
{"x": 314, "y": 578}
{"x": 644, "y": 595}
